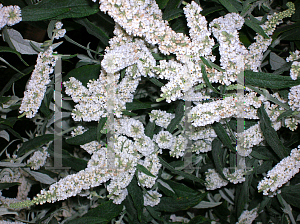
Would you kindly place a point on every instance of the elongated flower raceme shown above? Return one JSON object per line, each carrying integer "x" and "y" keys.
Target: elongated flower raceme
{"x": 38, "y": 82}
{"x": 257, "y": 49}
{"x": 285, "y": 170}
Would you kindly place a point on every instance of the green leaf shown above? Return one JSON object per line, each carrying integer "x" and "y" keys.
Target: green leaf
{"x": 173, "y": 5}
{"x": 23, "y": 46}
{"x": 8, "y": 49}
{"x": 14, "y": 78}
{"x": 218, "y": 155}
{"x": 162, "y": 3}
{"x": 153, "y": 213}
{"x": 69, "y": 160}
{"x": 206, "y": 63}
{"x": 41, "y": 177}
{"x": 84, "y": 74}
{"x": 136, "y": 194}
{"x": 285, "y": 114}
{"x": 10, "y": 121}
{"x": 94, "y": 30}
{"x": 291, "y": 194}
{"x": 100, "y": 127}
{"x": 287, "y": 29}
{"x": 128, "y": 113}
{"x": 137, "y": 105}
{"x": 204, "y": 76}
{"x": 269, "y": 80}
{"x": 130, "y": 210}
{"x": 228, "y": 5}
{"x": 4, "y": 99}
{"x": 156, "y": 82}
{"x": 276, "y": 62}
{"x": 86, "y": 137}
{"x": 168, "y": 204}
{"x": 108, "y": 210}
{"x": 208, "y": 11}
{"x": 11, "y": 130}
{"x": 257, "y": 28}
{"x": 44, "y": 108}
{"x": 89, "y": 220}
{"x": 223, "y": 136}
{"x": 8, "y": 185}
{"x": 172, "y": 14}
{"x": 270, "y": 134}
{"x": 181, "y": 173}
{"x": 247, "y": 124}
{"x": 179, "y": 113}
{"x": 58, "y": 9}
{"x": 292, "y": 35}
{"x": 165, "y": 188}
{"x": 266, "y": 166}
{"x": 35, "y": 143}
{"x": 144, "y": 170}
{"x": 199, "y": 219}
{"x": 242, "y": 196}
{"x": 181, "y": 190}
{"x": 149, "y": 129}
{"x": 259, "y": 156}
{"x": 246, "y": 6}
{"x": 207, "y": 204}
{"x": 264, "y": 203}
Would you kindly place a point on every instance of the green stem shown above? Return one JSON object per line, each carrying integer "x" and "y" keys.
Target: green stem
{"x": 79, "y": 45}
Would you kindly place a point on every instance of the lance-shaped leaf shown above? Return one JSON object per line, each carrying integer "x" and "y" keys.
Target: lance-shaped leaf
{"x": 269, "y": 80}
{"x": 222, "y": 134}
{"x": 270, "y": 134}
{"x": 58, "y": 9}
{"x": 86, "y": 137}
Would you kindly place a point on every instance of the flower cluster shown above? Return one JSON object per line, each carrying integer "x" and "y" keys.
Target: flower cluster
{"x": 127, "y": 154}
{"x": 179, "y": 146}
{"x": 214, "y": 180}
{"x": 9, "y": 15}
{"x": 164, "y": 139}
{"x": 236, "y": 177}
{"x": 152, "y": 198}
{"x": 257, "y": 49}
{"x": 294, "y": 98}
{"x": 153, "y": 165}
{"x": 292, "y": 123}
{"x": 161, "y": 118}
{"x": 247, "y": 216}
{"x": 201, "y": 42}
{"x": 212, "y": 112}
{"x": 59, "y": 32}
{"x": 232, "y": 52}
{"x": 281, "y": 173}
{"x": 38, "y": 159}
{"x": 37, "y": 85}
{"x": 91, "y": 101}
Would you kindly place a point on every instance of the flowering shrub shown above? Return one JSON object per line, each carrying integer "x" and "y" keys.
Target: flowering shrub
{"x": 175, "y": 112}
